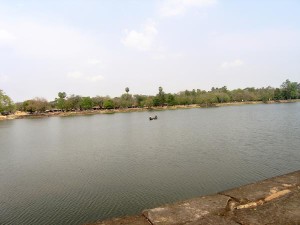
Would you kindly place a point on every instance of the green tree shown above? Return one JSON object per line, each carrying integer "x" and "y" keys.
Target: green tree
{"x": 277, "y": 94}
{"x": 27, "y": 106}
{"x": 265, "y": 94}
{"x": 116, "y": 102}
{"x": 156, "y": 101}
{"x": 126, "y": 100}
{"x": 98, "y": 101}
{"x": 41, "y": 104}
{"x": 224, "y": 89}
{"x": 237, "y": 95}
{"x": 108, "y": 104}
{"x": 161, "y": 96}
{"x": 148, "y": 102}
{"x": 62, "y": 94}
{"x": 140, "y": 100}
{"x": 61, "y": 102}
{"x": 222, "y": 97}
{"x": 86, "y": 103}
{"x": 6, "y": 104}
{"x": 184, "y": 98}
{"x": 73, "y": 102}
{"x": 38, "y": 105}
{"x": 289, "y": 89}
{"x": 160, "y": 90}
{"x": 171, "y": 100}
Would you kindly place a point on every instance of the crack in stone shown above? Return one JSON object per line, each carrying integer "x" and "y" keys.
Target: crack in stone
{"x": 147, "y": 219}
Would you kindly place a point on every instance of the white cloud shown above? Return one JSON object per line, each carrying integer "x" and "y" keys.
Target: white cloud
{"x": 159, "y": 56}
{"x": 3, "y": 78}
{"x": 171, "y": 8}
{"x": 94, "y": 62}
{"x": 232, "y": 64}
{"x": 6, "y": 36}
{"x": 76, "y": 75}
{"x": 165, "y": 56}
{"x": 95, "y": 78}
{"x": 20, "y": 5}
{"x": 143, "y": 40}
{"x": 33, "y": 39}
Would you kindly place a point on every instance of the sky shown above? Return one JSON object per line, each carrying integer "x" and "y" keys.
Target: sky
{"x": 100, "y": 47}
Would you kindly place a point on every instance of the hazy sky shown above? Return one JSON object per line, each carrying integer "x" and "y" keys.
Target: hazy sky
{"x": 99, "y": 47}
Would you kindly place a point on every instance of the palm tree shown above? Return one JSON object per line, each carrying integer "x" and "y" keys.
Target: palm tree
{"x": 160, "y": 89}
{"x": 161, "y": 96}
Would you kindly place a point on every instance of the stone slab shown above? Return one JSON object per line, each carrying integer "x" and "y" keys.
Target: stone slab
{"x": 291, "y": 179}
{"x": 275, "y": 201}
{"x": 213, "y": 220}
{"x": 283, "y": 211}
{"x": 127, "y": 220}
{"x": 187, "y": 211}
{"x": 260, "y": 190}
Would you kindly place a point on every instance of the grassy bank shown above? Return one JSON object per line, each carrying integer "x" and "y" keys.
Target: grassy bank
{"x": 21, "y": 115}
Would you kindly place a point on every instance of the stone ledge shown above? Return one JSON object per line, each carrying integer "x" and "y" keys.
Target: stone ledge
{"x": 187, "y": 211}
{"x": 272, "y": 201}
{"x": 260, "y": 190}
{"x": 282, "y": 211}
{"x": 127, "y": 220}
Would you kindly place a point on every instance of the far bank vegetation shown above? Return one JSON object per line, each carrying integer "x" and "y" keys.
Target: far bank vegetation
{"x": 287, "y": 91}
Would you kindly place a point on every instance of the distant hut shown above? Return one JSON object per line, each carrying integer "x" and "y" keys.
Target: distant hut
{"x": 96, "y": 108}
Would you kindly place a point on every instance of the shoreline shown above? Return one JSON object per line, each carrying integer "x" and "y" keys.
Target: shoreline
{"x": 22, "y": 115}
{"x": 274, "y": 200}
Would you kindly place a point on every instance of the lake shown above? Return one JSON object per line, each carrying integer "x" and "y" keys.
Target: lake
{"x": 74, "y": 170}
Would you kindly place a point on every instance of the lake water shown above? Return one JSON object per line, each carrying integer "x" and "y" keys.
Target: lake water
{"x": 74, "y": 170}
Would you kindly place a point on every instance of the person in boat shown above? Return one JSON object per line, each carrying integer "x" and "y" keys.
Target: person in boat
{"x": 153, "y": 118}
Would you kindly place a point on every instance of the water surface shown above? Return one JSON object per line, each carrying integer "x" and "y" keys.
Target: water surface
{"x": 73, "y": 170}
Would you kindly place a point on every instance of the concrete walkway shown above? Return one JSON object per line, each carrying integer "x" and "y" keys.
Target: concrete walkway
{"x": 272, "y": 201}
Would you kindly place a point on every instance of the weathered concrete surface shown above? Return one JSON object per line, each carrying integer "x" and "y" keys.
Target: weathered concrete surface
{"x": 272, "y": 201}
{"x": 260, "y": 190}
{"x": 213, "y": 220}
{"x": 290, "y": 179}
{"x": 127, "y": 220}
{"x": 282, "y": 211}
{"x": 187, "y": 211}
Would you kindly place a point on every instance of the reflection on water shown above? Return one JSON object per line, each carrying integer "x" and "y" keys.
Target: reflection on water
{"x": 81, "y": 169}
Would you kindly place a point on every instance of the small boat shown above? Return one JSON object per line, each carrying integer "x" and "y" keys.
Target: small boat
{"x": 153, "y": 118}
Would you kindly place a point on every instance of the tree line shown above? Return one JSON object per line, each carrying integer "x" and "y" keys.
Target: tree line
{"x": 63, "y": 102}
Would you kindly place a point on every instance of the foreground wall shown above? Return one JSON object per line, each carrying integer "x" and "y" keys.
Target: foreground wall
{"x": 272, "y": 201}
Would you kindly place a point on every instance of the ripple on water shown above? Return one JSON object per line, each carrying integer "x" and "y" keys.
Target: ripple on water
{"x": 82, "y": 169}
